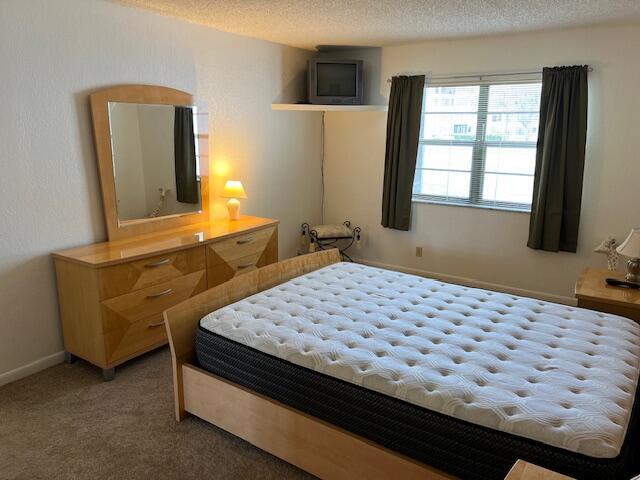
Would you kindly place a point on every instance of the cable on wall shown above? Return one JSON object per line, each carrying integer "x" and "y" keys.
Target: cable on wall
{"x": 322, "y": 169}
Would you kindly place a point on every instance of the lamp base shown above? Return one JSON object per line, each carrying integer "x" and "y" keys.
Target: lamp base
{"x": 233, "y": 205}
{"x": 633, "y": 270}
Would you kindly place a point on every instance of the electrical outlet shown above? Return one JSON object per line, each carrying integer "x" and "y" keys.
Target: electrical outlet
{"x": 418, "y": 251}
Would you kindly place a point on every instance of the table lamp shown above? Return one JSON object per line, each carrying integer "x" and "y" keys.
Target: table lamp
{"x": 233, "y": 191}
{"x": 631, "y": 248}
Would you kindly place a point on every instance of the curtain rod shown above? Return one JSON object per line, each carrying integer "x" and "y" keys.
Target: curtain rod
{"x": 481, "y": 75}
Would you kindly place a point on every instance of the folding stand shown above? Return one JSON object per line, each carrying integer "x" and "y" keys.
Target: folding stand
{"x": 323, "y": 237}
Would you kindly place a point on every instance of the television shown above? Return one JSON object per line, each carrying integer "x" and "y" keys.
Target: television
{"x": 335, "y": 81}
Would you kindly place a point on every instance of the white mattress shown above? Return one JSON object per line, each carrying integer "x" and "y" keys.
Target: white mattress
{"x": 560, "y": 375}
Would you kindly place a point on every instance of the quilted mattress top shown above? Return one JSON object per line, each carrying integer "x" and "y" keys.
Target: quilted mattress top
{"x": 556, "y": 374}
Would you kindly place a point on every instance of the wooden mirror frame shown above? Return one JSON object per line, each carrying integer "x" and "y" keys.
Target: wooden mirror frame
{"x": 145, "y": 94}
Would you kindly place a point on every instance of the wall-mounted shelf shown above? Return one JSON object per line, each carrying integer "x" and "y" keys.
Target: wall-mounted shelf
{"x": 306, "y": 107}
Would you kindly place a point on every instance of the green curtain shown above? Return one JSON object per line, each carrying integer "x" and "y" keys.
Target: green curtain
{"x": 557, "y": 188}
{"x": 403, "y": 131}
{"x": 185, "y": 156}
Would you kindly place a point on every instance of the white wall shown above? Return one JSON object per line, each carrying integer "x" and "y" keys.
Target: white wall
{"x": 483, "y": 245}
{"x": 52, "y": 54}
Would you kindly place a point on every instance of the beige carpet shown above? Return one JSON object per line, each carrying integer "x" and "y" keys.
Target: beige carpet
{"x": 66, "y": 423}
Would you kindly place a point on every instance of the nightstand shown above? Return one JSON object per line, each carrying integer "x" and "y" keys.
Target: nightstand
{"x": 593, "y": 293}
{"x": 528, "y": 471}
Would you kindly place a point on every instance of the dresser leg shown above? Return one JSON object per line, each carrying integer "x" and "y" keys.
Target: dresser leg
{"x": 108, "y": 374}
{"x": 69, "y": 358}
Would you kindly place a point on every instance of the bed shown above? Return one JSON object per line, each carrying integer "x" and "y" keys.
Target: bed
{"x": 351, "y": 371}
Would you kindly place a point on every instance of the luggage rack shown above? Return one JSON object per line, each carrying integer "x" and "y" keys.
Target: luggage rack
{"x": 323, "y": 237}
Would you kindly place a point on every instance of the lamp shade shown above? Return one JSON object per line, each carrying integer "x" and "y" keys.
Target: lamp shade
{"x": 233, "y": 189}
{"x": 631, "y": 246}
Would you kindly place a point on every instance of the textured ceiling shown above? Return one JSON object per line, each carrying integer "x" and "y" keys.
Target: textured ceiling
{"x": 307, "y": 23}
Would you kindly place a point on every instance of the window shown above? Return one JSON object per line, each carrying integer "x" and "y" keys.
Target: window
{"x": 478, "y": 145}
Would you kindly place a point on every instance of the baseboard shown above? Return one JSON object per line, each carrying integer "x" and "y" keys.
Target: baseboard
{"x": 31, "y": 368}
{"x": 470, "y": 282}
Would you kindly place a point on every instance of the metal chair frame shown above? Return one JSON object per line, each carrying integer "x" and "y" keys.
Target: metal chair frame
{"x": 333, "y": 242}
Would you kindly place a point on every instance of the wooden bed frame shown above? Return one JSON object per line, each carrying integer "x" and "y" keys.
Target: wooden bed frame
{"x": 318, "y": 447}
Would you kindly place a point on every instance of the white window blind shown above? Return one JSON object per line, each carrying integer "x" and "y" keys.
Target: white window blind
{"x": 478, "y": 144}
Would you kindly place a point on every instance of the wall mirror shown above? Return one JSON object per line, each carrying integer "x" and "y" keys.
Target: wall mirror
{"x": 152, "y": 146}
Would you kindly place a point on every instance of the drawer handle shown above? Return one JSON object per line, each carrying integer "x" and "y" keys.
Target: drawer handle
{"x": 244, "y": 240}
{"x": 160, "y": 294}
{"x": 159, "y": 263}
{"x": 245, "y": 265}
{"x": 157, "y": 324}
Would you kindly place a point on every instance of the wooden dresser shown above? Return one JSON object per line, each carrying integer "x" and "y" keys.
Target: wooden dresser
{"x": 112, "y": 294}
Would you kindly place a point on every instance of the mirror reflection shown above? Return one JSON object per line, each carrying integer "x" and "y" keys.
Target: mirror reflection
{"x": 155, "y": 152}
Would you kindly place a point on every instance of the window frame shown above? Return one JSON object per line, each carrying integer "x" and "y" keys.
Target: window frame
{"x": 479, "y": 144}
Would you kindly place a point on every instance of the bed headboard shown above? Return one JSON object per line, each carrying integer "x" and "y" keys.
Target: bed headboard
{"x": 182, "y": 320}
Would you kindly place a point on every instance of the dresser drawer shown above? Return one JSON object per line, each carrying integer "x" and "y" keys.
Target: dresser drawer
{"x": 125, "y": 343}
{"x": 244, "y": 264}
{"x": 133, "y": 323}
{"x": 241, "y": 254}
{"x": 146, "y": 305}
{"x": 129, "y": 277}
{"x": 249, "y": 244}
{"x": 223, "y": 272}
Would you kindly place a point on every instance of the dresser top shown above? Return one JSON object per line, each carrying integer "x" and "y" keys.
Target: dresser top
{"x": 120, "y": 251}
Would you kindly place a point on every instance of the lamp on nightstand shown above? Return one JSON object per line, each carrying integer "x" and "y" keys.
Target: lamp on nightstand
{"x": 631, "y": 248}
{"x": 233, "y": 190}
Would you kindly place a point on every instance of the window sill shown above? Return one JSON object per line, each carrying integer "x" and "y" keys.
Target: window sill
{"x": 415, "y": 199}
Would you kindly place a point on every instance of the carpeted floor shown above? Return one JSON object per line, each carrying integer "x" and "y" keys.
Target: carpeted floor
{"x": 66, "y": 423}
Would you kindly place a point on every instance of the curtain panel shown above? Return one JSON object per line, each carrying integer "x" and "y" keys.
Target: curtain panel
{"x": 403, "y": 131}
{"x": 557, "y": 189}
